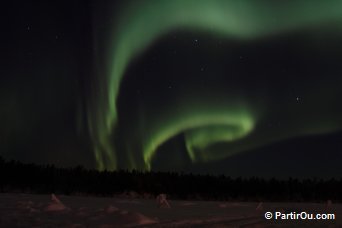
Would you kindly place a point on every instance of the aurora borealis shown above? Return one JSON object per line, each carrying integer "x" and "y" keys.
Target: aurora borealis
{"x": 140, "y": 24}
{"x": 175, "y": 83}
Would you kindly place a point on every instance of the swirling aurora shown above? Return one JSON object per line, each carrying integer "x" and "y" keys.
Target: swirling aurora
{"x": 206, "y": 123}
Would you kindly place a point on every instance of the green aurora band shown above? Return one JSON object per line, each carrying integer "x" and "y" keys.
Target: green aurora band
{"x": 140, "y": 23}
{"x": 214, "y": 123}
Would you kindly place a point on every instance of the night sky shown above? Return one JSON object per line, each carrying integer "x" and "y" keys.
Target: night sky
{"x": 235, "y": 87}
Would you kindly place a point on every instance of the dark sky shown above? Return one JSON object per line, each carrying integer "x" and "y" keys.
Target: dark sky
{"x": 46, "y": 51}
{"x": 174, "y": 87}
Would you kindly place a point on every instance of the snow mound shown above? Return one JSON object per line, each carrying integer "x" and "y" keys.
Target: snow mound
{"x": 55, "y": 204}
{"x": 128, "y": 218}
{"x": 111, "y": 209}
{"x": 134, "y": 219}
{"x": 188, "y": 204}
{"x": 143, "y": 220}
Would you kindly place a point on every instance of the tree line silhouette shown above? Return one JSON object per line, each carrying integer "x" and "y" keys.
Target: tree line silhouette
{"x": 42, "y": 179}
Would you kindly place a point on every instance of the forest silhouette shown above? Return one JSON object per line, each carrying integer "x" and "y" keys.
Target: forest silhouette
{"x": 16, "y": 176}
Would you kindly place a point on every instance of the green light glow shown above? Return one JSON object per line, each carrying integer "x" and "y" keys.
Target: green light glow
{"x": 202, "y": 137}
{"x": 142, "y": 23}
{"x": 223, "y": 122}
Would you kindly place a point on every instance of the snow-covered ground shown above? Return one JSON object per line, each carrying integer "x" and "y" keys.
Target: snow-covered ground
{"x": 27, "y": 210}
